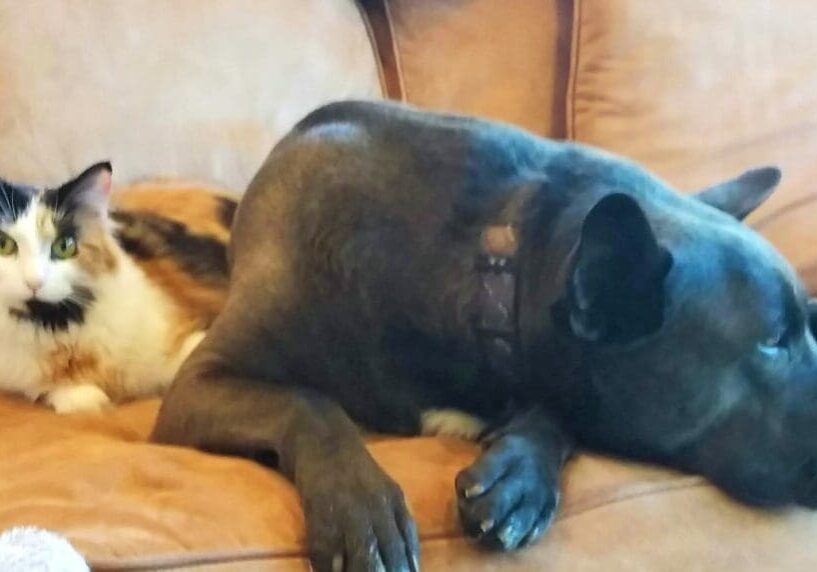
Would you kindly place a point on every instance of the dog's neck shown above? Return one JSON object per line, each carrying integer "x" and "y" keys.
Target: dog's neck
{"x": 518, "y": 280}
{"x": 495, "y": 323}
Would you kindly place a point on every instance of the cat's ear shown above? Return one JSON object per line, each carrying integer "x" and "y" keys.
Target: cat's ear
{"x": 89, "y": 191}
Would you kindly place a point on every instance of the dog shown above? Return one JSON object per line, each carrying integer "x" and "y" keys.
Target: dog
{"x": 409, "y": 272}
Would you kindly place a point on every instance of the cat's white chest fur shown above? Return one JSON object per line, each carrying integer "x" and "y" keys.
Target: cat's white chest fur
{"x": 82, "y": 323}
{"x": 125, "y": 347}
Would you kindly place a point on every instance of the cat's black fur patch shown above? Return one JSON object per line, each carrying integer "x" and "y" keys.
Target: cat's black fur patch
{"x": 57, "y": 199}
{"x": 63, "y": 212}
{"x": 14, "y": 200}
{"x": 57, "y": 316}
{"x": 146, "y": 235}
{"x": 226, "y": 211}
{"x": 66, "y": 226}
{"x": 68, "y": 197}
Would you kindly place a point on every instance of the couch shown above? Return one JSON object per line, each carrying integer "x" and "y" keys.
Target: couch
{"x": 201, "y": 89}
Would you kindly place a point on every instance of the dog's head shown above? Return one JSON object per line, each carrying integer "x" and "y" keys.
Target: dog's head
{"x": 696, "y": 339}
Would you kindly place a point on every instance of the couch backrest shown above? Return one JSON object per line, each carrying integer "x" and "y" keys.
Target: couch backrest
{"x": 192, "y": 88}
{"x": 697, "y": 90}
{"x": 701, "y": 90}
{"x": 506, "y": 60}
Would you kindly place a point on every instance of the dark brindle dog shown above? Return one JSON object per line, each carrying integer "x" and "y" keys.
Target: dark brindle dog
{"x": 394, "y": 268}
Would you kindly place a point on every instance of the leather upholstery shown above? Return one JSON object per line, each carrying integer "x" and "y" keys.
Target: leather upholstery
{"x": 201, "y": 88}
{"x": 482, "y": 57}
{"x": 129, "y": 504}
{"x": 699, "y": 91}
{"x": 193, "y": 88}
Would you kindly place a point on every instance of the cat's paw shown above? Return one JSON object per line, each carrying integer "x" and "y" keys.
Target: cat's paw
{"x": 83, "y": 398}
{"x": 451, "y": 423}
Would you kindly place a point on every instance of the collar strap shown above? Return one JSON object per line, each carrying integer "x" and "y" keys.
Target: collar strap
{"x": 494, "y": 322}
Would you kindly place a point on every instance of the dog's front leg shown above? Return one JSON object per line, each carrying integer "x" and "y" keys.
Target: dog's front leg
{"x": 356, "y": 517}
{"x": 509, "y": 496}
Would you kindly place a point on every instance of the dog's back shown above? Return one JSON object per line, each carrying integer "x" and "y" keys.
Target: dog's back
{"x": 642, "y": 323}
{"x": 377, "y": 212}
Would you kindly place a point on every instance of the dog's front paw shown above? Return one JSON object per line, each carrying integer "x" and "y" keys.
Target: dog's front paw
{"x": 507, "y": 499}
{"x": 357, "y": 519}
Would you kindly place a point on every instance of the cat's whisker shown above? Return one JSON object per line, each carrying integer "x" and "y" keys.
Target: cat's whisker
{"x": 10, "y": 210}
{"x": 57, "y": 206}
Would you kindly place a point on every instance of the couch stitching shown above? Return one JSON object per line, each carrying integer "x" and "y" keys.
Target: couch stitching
{"x": 678, "y": 485}
{"x": 784, "y": 210}
{"x": 575, "y": 55}
{"x": 164, "y": 562}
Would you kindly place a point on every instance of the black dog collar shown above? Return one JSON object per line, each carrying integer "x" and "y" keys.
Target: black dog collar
{"x": 495, "y": 323}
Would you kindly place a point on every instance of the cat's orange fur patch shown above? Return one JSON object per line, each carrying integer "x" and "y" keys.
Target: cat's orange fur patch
{"x": 199, "y": 209}
{"x": 195, "y": 206}
{"x": 95, "y": 254}
{"x": 68, "y": 364}
{"x": 197, "y": 304}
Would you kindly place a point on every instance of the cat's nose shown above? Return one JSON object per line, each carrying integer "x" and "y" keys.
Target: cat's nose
{"x": 34, "y": 284}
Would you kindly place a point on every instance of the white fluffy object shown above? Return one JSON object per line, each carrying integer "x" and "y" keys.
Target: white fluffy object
{"x": 30, "y": 549}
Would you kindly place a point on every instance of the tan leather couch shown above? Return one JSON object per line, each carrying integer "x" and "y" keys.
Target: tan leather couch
{"x": 697, "y": 90}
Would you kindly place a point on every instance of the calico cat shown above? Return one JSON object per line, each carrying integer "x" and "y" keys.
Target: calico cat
{"x": 100, "y": 303}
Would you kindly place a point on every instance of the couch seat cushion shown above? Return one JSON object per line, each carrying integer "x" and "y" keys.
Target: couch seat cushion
{"x": 129, "y": 504}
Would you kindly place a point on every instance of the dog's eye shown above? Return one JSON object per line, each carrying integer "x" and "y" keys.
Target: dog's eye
{"x": 773, "y": 345}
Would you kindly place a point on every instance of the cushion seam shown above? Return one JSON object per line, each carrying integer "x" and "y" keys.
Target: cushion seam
{"x": 575, "y": 56}
{"x": 395, "y": 42}
{"x": 793, "y": 206}
{"x": 203, "y": 557}
{"x": 389, "y": 89}
{"x": 381, "y": 73}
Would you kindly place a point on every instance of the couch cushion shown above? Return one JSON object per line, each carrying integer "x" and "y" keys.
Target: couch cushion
{"x": 479, "y": 57}
{"x": 196, "y": 88}
{"x": 701, "y": 90}
{"x": 129, "y": 504}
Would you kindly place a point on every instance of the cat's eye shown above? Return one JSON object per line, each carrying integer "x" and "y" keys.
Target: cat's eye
{"x": 7, "y": 245}
{"x": 64, "y": 247}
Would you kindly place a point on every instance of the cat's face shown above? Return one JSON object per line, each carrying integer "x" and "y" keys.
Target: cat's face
{"x": 53, "y": 243}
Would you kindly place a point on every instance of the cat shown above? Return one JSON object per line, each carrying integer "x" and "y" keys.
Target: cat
{"x": 103, "y": 295}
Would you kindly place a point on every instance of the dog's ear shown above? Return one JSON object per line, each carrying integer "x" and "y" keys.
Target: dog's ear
{"x": 615, "y": 290}
{"x": 739, "y": 197}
